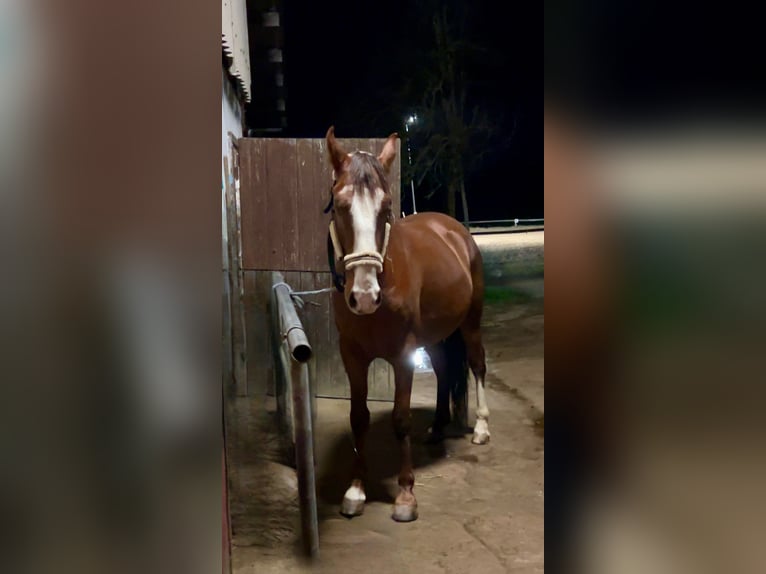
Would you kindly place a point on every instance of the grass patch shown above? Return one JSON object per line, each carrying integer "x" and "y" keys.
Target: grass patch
{"x": 503, "y": 294}
{"x": 516, "y": 269}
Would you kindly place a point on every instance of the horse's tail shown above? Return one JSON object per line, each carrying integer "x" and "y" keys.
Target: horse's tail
{"x": 457, "y": 373}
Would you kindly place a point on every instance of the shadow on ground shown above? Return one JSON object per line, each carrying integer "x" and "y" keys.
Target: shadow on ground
{"x": 382, "y": 453}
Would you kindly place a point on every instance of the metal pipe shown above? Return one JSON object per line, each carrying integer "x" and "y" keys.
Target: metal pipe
{"x": 304, "y": 458}
{"x": 294, "y": 338}
{"x": 291, "y": 326}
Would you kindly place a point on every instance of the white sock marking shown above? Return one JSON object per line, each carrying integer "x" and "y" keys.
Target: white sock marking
{"x": 482, "y": 410}
{"x": 355, "y": 494}
{"x": 481, "y": 427}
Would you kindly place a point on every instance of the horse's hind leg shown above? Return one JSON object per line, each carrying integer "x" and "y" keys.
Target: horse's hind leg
{"x": 471, "y": 331}
{"x": 437, "y": 354}
{"x": 356, "y": 369}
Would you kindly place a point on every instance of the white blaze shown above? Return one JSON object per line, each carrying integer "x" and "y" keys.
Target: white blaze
{"x": 365, "y": 207}
{"x": 364, "y": 214}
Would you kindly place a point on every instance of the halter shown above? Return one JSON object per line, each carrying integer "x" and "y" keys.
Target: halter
{"x": 351, "y": 260}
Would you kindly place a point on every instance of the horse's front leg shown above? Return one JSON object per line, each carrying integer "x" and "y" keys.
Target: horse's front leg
{"x": 356, "y": 369}
{"x": 405, "y": 506}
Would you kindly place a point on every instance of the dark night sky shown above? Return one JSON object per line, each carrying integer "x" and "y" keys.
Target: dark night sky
{"x": 345, "y": 59}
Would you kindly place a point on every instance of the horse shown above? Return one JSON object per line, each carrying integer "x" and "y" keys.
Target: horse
{"x": 401, "y": 284}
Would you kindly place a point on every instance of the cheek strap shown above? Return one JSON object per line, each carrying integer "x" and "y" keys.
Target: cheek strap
{"x": 362, "y": 257}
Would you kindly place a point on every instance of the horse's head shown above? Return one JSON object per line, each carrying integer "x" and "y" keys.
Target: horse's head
{"x": 361, "y": 219}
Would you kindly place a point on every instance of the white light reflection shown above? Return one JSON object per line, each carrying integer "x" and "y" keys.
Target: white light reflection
{"x": 420, "y": 360}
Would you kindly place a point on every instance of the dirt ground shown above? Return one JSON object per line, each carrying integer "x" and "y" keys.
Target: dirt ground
{"x": 481, "y": 507}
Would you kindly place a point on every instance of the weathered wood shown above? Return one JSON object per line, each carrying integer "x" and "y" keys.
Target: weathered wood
{"x": 290, "y": 245}
{"x": 259, "y": 357}
{"x": 338, "y": 381}
{"x": 323, "y": 355}
{"x": 323, "y": 178}
{"x": 254, "y": 196}
{"x": 285, "y": 186}
{"x": 307, "y": 213}
{"x": 238, "y": 335}
{"x": 383, "y": 387}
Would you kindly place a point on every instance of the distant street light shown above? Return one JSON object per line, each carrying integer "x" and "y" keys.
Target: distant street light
{"x": 409, "y": 121}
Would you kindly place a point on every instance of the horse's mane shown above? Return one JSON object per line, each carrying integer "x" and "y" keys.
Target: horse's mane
{"x": 365, "y": 171}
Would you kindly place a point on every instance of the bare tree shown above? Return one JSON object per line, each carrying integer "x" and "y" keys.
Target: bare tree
{"x": 451, "y": 138}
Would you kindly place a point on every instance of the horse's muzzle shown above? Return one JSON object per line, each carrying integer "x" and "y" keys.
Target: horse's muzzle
{"x": 364, "y": 302}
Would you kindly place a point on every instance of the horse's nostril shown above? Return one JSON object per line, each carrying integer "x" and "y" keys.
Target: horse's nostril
{"x": 352, "y": 301}
{"x": 377, "y": 299}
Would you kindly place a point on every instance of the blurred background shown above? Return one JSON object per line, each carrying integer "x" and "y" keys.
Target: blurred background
{"x": 653, "y": 149}
{"x": 654, "y": 183}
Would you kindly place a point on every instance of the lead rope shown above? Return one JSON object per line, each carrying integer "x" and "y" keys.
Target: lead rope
{"x": 296, "y": 296}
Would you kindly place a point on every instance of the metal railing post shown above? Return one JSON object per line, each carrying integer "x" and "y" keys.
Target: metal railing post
{"x": 292, "y": 335}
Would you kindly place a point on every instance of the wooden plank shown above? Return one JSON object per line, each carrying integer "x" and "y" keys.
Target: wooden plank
{"x": 293, "y": 279}
{"x": 322, "y": 350}
{"x": 322, "y": 174}
{"x": 278, "y": 204}
{"x": 228, "y": 353}
{"x": 246, "y": 199}
{"x": 381, "y": 379}
{"x": 338, "y": 381}
{"x": 288, "y": 178}
{"x": 311, "y": 220}
{"x": 351, "y": 144}
{"x": 258, "y": 332}
{"x": 254, "y": 202}
{"x": 323, "y": 180}
{"x": 368, "y": 145}
{"x": 281, "y": 205}
{"x": 237, "y": 318}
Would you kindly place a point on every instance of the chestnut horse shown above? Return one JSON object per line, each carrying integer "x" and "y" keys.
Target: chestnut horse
{"x": 402, "y": 284}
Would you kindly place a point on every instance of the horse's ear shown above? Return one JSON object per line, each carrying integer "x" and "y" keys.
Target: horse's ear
{"x": 338, "y": 156}
{"x": 387, "y": 156}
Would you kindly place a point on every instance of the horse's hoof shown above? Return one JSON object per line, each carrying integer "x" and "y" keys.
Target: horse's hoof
{"x": 480, "y": 438}
{"x": 405, "y": 512}
{"x": 480, "y": 432}
{"x": 434, "y": 437}
{"x": 351, "y": 508}
{"x": 353, "y": 501}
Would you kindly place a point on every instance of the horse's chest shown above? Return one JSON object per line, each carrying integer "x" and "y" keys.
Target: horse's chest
{"x": 382, "y": 334}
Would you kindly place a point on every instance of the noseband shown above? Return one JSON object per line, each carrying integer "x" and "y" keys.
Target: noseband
{"x": 351, "y": 260}
{"x": 359, "y": 257}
